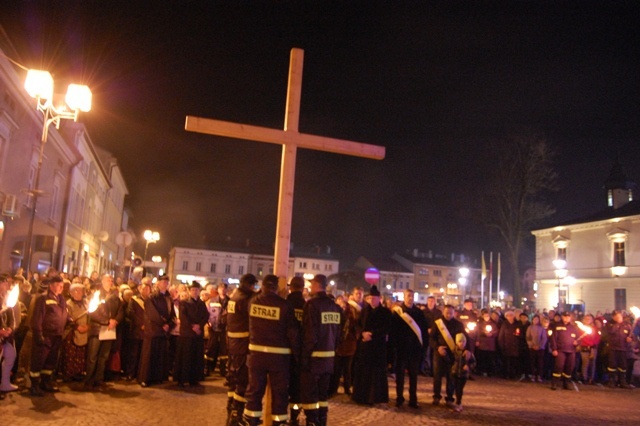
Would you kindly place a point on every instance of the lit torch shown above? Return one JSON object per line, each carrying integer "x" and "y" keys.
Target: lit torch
{"x": 488, "y": 328}
{"x": 635, "y": 311}
{"x": 471, "y": 326}
{"x": 586, "y": 330}
{"x": 94, "y": 302}
{"x": 12, "y": 299}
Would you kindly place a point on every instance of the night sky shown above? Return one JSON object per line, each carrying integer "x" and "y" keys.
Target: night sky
{"x": 433, "y": 82}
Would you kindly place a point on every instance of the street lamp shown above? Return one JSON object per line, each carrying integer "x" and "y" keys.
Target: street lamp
{"x": 464, "y": 273}
{"x": 39, "y": 85}
{"x": 152, "y": 238}
{"x": 561, "y": 272}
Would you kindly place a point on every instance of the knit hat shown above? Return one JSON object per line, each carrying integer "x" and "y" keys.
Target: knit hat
{"x": 374, "y": 291}
{"x": 461, "y": 338}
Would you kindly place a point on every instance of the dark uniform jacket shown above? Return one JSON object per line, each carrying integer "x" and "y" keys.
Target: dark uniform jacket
{"x": 431, "y": 315}
{"x": 158, "y": 311}
{"x": 617, "y": 335}
{"x": 466, "y": 317}
{"x": 322, "y": 322}
{"x": 238, "y": 321}
{"x": 135, "y": 313}
{"x": 563, "y": 337}
{"x": 217, "y": 308}
{"x": 273, "y": 328}
{"x": 296, "y": 300}
{"x": 192, "y": 312}
{"x": 50, "y": 315}
{"x": 110, "y": 309}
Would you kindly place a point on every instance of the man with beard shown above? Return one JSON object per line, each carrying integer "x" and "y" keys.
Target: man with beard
{"x": 443, "y": 344}
{"x": 159, "y": 317}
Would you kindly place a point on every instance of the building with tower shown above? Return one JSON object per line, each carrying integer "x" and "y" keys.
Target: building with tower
{"x": 593, "y": 260}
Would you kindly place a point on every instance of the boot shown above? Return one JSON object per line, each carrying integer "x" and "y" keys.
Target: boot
{"x": 35, "y": 389}
{"x": 565, "y": 384}
{"x": 312, "y": 417}
{"x": 223, "y": 367}
{"x": 622, "y": 379}
{"x": 323, "y": 414}
{"x": 293, "y": 416}
{"x": 236, "y": 413}
{"x": 612, "y": 380}
{"x": 249, "y": 421}
{"x": 229, "y": 408}
{"x": 47, "y": 384}
{"x": 553, "y": 384}
{"x": 5, "y": 384}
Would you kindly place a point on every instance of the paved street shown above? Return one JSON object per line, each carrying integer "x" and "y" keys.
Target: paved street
{"x": 487, "y": 401}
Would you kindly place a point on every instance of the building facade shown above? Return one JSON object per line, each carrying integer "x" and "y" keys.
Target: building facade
{"x": 80, "y": 198}
{"x": 595, "y": 260}
{"x": 228, "y": 265}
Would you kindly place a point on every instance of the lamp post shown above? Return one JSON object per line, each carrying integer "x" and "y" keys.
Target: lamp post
{"x": 39, "y": 85}
{"x": 152, "y": 238}
{"x": 560, "y": 266}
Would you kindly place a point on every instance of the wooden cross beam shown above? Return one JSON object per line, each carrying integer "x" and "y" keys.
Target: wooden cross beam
{"x": 290, "y": 139}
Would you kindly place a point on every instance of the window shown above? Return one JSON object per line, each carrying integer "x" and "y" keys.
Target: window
{"x": 213, "y": 268}
{"x": 561, "y": 253}
{"x": 185, "y": 265}
{"x": 240, "y": 269}
{"x": 198, "y": 266}
{"x": 423, "y": 271}
{"x": 618, "y": 254}
{"x": 303, "y": 264}
{"x": 227, "y": 269}
{"x": 260, "y": 269}
{"x": 437, "y": 273}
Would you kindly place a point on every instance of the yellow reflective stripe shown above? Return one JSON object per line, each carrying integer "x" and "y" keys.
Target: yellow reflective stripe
{"x": 566, "y": 376}
{"x": 238, "y": 335}
{"x": 269, "y": 349}
{"x": 46, "y": 372}
{"x": 294, "y": 406}
{"x": 279, "y": 417}
{"x": 239, "y": 398}
{"x": 323, "y": 354}
{"x": 34, "y": 374}
{"x": 250, "y": 413}
{"x": 313, "y": 406}
{"x": 323, "y": 404}
{"x": 230, "y": 394}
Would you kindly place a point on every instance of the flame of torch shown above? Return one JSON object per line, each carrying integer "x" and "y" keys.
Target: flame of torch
{"x": 95, "y": 301}
{"x": 585, "y": 329}
{"x": 471, "y": 326}
{"x": 635, "y": 311}
{"x": 12, "y": 298}
{"x": 488, "y": 328}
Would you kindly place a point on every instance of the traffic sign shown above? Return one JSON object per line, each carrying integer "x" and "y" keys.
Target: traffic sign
{"x": 372, "y": 276}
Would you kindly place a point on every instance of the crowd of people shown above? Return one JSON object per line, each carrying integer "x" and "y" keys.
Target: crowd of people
{"x": 307, "y": 343}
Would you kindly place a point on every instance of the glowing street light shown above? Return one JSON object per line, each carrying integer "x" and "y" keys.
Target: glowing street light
{"x": 39, "y": 85}
{"x": 152, "y": 238}
{"x": 464, "y": 274}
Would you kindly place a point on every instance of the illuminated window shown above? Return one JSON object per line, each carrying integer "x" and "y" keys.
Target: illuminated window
{"x": 610, "y": 198}
{"x": 561, "y": 253}
{"x": 618, "y": 254}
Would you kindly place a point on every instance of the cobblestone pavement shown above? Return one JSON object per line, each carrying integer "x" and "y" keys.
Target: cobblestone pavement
{"x": 486, "y": 401}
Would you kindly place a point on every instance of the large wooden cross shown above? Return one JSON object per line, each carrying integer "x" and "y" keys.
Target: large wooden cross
{"x": 290, "y": 139}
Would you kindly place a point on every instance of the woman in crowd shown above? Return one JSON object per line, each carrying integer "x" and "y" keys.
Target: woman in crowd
{"x": 537, "y": 343}
{"x": 75, "y": 339}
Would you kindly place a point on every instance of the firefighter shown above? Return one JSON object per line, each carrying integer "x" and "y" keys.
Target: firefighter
{"x": 564, "y": 339}
{"x": 273, "y": 339}
{"x": 321, "y": 326}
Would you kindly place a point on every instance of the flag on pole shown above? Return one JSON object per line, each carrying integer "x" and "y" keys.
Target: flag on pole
{"x": 484, "y": 267}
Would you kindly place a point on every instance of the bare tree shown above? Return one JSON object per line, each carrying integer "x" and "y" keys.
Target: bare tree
{"x": 513, "y": 201}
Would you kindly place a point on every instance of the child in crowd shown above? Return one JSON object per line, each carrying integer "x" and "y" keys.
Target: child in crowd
{"x": 463, "y": 364}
